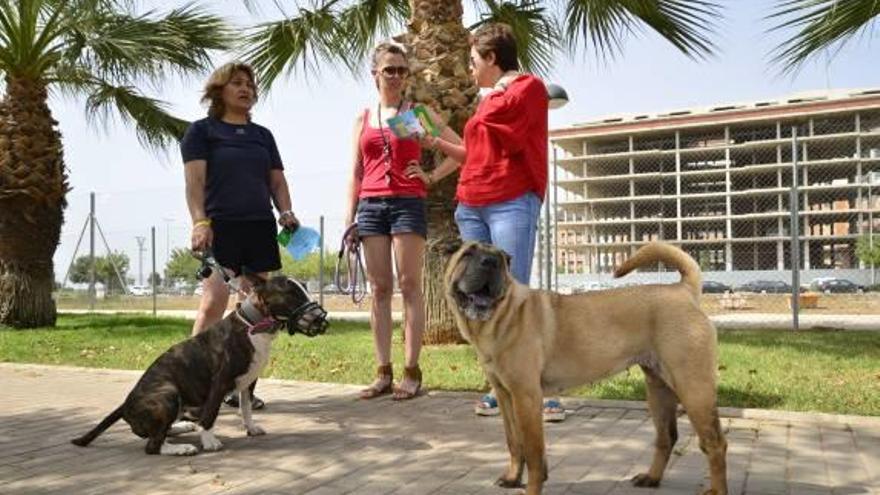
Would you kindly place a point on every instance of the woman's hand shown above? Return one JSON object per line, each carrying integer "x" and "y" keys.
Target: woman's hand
{"x": 414, "y": 170}
{"x": 202, "y": 236}
{"x": 428, "y": 141}
{"x": 351, "y": 236}
{"x": 288, "y": 220}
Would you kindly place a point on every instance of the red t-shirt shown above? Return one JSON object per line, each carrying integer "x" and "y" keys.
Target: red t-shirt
{"x": 375, "y": 181}
{"x": 506, "y": 145}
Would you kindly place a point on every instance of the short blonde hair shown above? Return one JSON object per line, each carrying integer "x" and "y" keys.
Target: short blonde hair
{"x": 213, "y": 93}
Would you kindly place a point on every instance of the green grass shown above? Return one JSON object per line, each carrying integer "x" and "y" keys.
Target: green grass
{"x": 808, "y": 371}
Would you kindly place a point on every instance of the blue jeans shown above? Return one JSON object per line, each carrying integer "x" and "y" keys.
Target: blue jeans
{"x": 510, "y": 225}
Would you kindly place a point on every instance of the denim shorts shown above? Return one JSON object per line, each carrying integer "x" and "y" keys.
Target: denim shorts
{"x": 390, "y": 215}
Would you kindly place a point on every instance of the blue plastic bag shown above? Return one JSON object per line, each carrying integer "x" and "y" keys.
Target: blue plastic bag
{"x": 301, "y": 242}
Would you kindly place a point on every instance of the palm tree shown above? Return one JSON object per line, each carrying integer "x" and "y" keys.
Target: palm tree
{"x": 96, "y": 49}
{"x": 820, "y": 25}
{"x": 340, "y": 33}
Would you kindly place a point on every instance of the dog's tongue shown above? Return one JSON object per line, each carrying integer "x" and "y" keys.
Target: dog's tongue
{"x": 480, "y": 299}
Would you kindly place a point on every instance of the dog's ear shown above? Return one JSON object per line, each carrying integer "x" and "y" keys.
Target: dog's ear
{"x": 254, "y": 279}
{"x": 507, "y": 257}
{"x": 448, "y": 246}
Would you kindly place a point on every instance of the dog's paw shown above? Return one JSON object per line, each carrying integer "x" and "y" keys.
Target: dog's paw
{"x": 254, "y": 431}
{"x": 181, "y": 427}
{"x": 178, "y": 449}
{"x": 210, "y": 443}
{"x": 504, "y": 482}
{"x": 645, "y": 481}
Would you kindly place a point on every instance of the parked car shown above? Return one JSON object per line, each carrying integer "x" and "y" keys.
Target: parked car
{"x": 768, "y": 286}
{"x": 140, "y": 290}
{"x": 590, "y": 286}
{"x": 835, "y": 286}
{"x": 713, "y": 287}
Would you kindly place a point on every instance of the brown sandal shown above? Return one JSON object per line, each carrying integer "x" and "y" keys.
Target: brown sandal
{"x": 414, "y": 373}
{"x": 383, "y": 372}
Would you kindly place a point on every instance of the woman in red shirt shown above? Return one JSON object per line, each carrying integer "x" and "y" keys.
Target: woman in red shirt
{"x": 389, "y": 206}
{"x": 504, "y": 163}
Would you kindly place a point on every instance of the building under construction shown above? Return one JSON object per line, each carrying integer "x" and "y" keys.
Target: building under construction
{"x": 718, "y": 182}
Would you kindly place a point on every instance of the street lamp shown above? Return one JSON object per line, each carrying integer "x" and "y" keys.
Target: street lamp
{"x": 558, "y": 98}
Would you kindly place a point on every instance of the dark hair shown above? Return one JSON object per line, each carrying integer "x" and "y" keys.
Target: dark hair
{"x": 213, "y": 93}
{"x": 497, "y": 38}
{"x": 388, "y": 47}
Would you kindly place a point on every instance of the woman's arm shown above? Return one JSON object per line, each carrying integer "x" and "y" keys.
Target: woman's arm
{"x": 448, "y": 142}
{"x": 281, "y": 197}
{"x": 195, "y": 172}
{"x": 357, "y": 170}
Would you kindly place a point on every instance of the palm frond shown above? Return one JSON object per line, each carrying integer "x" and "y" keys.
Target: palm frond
{"x": 603, "y": 24}
{"x": 154, "y": 126}
{"x": 126, "y": 48}
{"x": 821, "y": 25}
{"x": 305, "y": 42}
{"x": 537, "y": 33}
{"x": 364, "y": 21}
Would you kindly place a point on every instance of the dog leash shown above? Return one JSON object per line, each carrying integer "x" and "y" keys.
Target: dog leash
{"x": 350, "y": 255}
{"x": 207, "y": 267}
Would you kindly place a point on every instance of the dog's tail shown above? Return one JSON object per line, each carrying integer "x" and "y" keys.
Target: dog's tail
{"x": 669, "y": 255}
{"x": 103, "y": 425}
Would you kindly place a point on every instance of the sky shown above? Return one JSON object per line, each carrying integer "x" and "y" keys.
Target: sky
{"x": 311, "y": 119}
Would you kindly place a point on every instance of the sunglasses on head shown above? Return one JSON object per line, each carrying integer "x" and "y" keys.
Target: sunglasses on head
{"x": 395, "y": 70}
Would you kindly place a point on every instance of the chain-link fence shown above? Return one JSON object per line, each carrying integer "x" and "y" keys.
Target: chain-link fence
{"x": 147, "y": 232}
{"x": 729, "y": 196}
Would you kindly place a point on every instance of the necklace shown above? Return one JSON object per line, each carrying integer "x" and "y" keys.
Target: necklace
{"x": 386, "y": 142}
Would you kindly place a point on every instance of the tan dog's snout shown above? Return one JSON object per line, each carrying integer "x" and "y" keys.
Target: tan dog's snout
{"x": 479, "y": 280}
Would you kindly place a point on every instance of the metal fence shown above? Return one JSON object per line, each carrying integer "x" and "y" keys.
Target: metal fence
{"x": 145, "y": 227}
{"x": 748, "y": 202}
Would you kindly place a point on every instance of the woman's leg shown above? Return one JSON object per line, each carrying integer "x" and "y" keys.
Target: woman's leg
{"x": 513, "y": 225}
{"x": 471, "y": 225}
{"x": 215, "y": 297}
{"x": 409, "y": 255}
{"x": 377, "y": 254}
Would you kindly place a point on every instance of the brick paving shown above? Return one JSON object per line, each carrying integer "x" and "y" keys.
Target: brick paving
{"x": 322, "y": 441}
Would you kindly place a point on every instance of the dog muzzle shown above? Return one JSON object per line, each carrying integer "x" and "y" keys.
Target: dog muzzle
{"x": 310, "y": 319}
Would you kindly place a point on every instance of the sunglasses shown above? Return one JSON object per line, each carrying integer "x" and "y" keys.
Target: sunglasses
{"x": 392, "y": 70}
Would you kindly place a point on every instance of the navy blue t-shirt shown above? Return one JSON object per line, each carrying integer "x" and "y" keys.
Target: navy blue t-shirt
{"x": 239, "y": 158}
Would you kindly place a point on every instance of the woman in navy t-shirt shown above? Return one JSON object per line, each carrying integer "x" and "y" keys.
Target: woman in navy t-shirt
{"x": 233, "y": 174}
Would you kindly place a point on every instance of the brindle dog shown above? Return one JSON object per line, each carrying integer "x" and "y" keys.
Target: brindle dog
{"x": 200, "y": 371}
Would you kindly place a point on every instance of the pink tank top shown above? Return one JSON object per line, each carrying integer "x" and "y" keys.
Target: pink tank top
{"x": 384, "y": 177}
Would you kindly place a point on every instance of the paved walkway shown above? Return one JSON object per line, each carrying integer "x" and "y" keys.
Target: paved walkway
{"x": 322, "y": 441}
{"x": 729, "y": 321}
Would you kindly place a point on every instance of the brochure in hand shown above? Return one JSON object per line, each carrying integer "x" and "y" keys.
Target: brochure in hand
{"x": 413, "y": 123}
{"x": 300, "y": 242}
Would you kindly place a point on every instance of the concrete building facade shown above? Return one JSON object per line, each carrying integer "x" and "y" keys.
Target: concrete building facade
{"x": 718, "y": 182}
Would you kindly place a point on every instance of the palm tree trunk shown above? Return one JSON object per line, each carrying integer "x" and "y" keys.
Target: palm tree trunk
{"x": 441, "y": 79}
{"x": 33, "y": 184}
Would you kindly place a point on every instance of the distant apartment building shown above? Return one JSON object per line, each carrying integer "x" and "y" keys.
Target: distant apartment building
{"x": 718, "y": 182}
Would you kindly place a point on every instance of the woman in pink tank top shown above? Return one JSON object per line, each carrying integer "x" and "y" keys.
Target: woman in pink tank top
{"x": 388, "y": 204}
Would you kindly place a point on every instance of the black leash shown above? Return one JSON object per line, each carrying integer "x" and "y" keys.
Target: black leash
{"x": 209, "y": 264}
{"x": 350, "y": 256}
